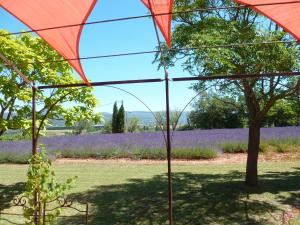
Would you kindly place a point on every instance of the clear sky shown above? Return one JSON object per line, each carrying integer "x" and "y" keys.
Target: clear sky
{"x": 122, "y": 37}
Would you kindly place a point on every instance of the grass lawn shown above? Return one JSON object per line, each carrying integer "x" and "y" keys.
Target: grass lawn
{"x": 136, "y": 192}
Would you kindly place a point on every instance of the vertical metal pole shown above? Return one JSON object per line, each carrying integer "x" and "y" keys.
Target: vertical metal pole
{"x": 44, "y": 213}
{"x": 87, "y": 214}
{"x": 34, "y": 139}
{"x": 169, "y": 148}
{"x": 34, "y": 147}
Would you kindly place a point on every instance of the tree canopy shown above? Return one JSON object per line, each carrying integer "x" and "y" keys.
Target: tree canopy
{"x": 236, "y": 26}
{"x": 36, "y": 60}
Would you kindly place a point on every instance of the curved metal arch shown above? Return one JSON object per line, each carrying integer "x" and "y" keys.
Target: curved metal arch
{"x": 184, "y": 108}
{"x": 141, "y": 101}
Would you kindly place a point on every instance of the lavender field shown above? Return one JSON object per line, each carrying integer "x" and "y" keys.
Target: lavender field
{"x": 109, "y": 145}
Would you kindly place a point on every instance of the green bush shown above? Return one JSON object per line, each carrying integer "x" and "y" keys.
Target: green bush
{"x": 194, "y": 153}
{"x": 276, "y": 145}
{"x": 14, "y": 157}
{"x": 282, "y": 145}
{"x": 234, "y": 147}
{"x": 41, "y": 182}
{"x": 149, "y": 153}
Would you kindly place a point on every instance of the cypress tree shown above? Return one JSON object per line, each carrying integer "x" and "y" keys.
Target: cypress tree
{"x": 114, "y": 122}
{"x": 121, "y": 119}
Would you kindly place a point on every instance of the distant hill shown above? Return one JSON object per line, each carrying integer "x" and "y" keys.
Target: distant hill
{"x": 146, "y": 118}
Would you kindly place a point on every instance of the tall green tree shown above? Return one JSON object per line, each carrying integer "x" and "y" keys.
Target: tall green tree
{"x": 283, "y": 113}
{"x": 212, "y": 111}
{"x": 114, "y": 122}
{"x": 161, "y": 120}
{"x": 121, "y": 120}
{"x": 215, "y": 27}
{"x": 36, "y": 60}
{"x": 133, "y": 124}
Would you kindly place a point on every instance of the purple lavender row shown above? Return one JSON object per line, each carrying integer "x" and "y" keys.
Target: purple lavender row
{"x": 131, "y": 141}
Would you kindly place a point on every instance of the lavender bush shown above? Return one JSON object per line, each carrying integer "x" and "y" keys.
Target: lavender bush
{"x": 186, "y": 144}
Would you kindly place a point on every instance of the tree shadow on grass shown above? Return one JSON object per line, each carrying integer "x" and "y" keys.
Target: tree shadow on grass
{"x": 8, "y": 193}
{"x": 198, "y": 199}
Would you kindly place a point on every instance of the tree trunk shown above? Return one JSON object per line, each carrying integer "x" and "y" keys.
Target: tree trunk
{"x": 253, "y": 149}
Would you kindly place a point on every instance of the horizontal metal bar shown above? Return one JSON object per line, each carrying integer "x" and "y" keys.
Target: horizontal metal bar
{"x": 212, "y": 77}
{"x": 156, "y": 15}
{"x": 105, "y": 83}
{"x": 236, "y": 76}
{"x": 167, "y": 50}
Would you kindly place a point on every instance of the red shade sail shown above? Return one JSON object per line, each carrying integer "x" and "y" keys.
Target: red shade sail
{"x": 163, "y": 21}
{"x": 38, "y": 14}
{"x": 285, "y": 15}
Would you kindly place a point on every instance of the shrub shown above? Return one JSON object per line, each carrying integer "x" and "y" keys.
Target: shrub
{"x": 152, "y": 153}
{"x": 14, "y": 157}
{"x": 184, "y": 153}
{"x": 282, "y": 145}
{"x": 234, "y": 147}
{"x": 273, "y": 145}
{"x": 41, "y": 182}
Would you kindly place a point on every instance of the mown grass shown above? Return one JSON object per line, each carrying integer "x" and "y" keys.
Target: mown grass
{"x": 136, "y": 193}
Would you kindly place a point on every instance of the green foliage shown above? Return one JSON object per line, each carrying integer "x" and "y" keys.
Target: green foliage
{"x": 212, "y": 111}
{"x": 207, "y": 28}
{"x": 118, "y": 119}
{"x": 41, "y": 181}
{"x": 198, "y": 153}
{"x": 27, "y": 52}
{"x": 121, "y": 120}
{"x": 147, "y": 153}
{"x": 161, "y": 120}
{"x": 107, "y": 128}
{"x": 82, "y": 125}
{"x": 284, "y": 113}
{"x": 15, "y": 137}
{"x": 133, "y": 124}
{"x": 114, "y": 122}
{"x": 14, "y": 157}
{"x": 287, "y": 145}
{"x": 215, "y": 27}
{"x": 234, "y": 147}
{"x": 185, "y": 127}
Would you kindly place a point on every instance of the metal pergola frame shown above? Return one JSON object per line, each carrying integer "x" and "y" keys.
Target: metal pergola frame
{"x": 166, "y": 80}
{"x": 157, "y": 80}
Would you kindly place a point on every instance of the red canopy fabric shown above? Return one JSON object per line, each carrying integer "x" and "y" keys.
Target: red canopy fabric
{"x": 285, "y": 15}
{"x": 38, "y": 14}
{"x": 163, "y": 21}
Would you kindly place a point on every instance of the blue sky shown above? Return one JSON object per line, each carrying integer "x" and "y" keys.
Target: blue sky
{"x": 122, "y": 37}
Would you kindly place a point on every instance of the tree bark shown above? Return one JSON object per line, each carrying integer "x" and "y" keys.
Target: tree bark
{"x": 252, "y": 158}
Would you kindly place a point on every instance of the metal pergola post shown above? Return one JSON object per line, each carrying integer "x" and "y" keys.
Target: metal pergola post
{"x": 34, "y": 149}
{"x": 169, "y": 155}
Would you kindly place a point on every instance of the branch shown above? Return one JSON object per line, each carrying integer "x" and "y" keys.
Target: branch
{"x": 227, "y": 102}
{"x": 284, "y": 94}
